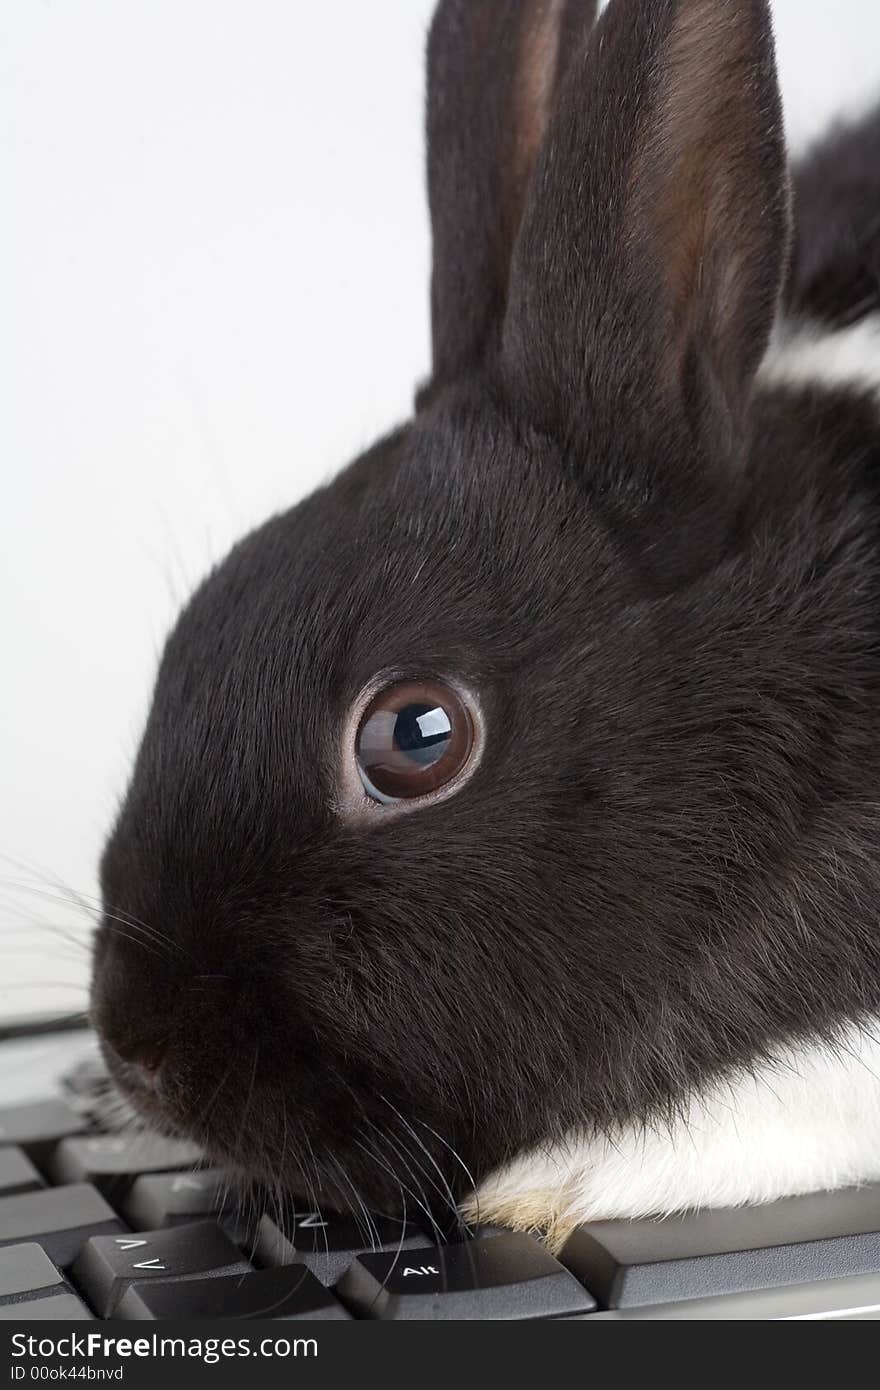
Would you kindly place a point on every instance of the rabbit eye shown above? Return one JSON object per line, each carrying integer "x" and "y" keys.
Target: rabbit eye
{"x": 414, "y": 737}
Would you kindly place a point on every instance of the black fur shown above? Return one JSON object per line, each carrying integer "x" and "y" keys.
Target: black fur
{"x": 835, "y": 274}
{"x": 662, "y": 583}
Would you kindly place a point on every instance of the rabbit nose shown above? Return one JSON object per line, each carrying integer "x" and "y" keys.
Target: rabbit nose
{"x": 147, "y": 1070}
{"x": 142, "y": 1063}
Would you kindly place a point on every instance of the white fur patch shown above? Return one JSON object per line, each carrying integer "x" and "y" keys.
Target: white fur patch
{"x": 808, "y": 1121}
{"x": 804, "y": 352}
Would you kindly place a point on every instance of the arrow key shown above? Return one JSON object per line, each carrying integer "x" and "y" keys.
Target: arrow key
{"x": 108, "y": 1265}
{"x": 293, "y": 1292}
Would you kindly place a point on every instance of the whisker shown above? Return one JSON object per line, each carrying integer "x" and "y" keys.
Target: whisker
{"x": 446, "y": 1189}
{"x": 44, "y": 876}
{"x": 153, "y": 937}
{"x": 314, "y": 1191}
{"x": 408, "y": 1160}
{"x": 92, "y": 906}
{"x": 456, "y": 1155}
{"x": 397, "y": 1180}
{"x": 372, "y": 1232}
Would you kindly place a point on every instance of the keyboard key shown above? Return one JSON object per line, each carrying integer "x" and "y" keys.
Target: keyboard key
{"x": 87, "y": 1075}
{"x": 169, "y": 1199}
{"x": 92, "y": 1091}
{"x": 17, "y": 1173}
{"x": 38, "y": 1127}
{"x": 293, "y": 1292}
{"x": 477, "y": 1232}
{"x": 841, "y": 1300}
{"x": 820, "y": 1236}
{"x": 328, "y": 1243}
{"x": 24, "y": 1268}
{"x": 109, "y": 1264}
{"x": 510, "y": 1276}
{"x": 110, "y": 1113}
{"x": 61, "y": 1219}
{"x": 112, "y": 1161}
{"x": 62, "y": 1307}
{"x": 269, "y": 1246}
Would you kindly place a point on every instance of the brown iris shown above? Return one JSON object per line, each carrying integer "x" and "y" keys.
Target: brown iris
{"x": 415, "y": 736}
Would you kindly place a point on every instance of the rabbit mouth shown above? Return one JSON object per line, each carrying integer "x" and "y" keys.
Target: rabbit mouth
{"x": 143, "y": 1095}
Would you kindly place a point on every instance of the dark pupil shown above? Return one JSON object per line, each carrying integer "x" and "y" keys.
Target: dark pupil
{"x": 422, "y": 732}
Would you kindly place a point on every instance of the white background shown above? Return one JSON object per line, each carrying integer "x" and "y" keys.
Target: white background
{"x": 213, "y": 289}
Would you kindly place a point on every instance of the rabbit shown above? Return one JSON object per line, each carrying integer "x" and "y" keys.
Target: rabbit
{"x": 504, "y": 837}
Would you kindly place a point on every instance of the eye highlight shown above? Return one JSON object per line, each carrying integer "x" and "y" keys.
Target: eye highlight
{"x": 414, "y": 738}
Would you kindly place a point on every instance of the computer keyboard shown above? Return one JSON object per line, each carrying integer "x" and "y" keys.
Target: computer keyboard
{"x": 131, "y": 1225}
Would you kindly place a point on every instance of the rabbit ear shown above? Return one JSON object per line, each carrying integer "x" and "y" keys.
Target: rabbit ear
{"x": 653, "y": 247}
{"x": 492, "y": 65}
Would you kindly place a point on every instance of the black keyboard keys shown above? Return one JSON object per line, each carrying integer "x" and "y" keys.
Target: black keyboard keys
{"x": 109, "y": 1264}
{"x": 62, "y": 1307}
{"x": 24, "y": 1269}
{"x": 268, "y": 1246}
{"x": 170, "y": 1199}
{"x": 820, "y": 1236}
{"x": 17, "y": 1173}
{"x": 292, "y": 1292}
{"x": 112, "y": 1161}
{"x": 828, "y": 1300}
{"x": 39, "y": 1126}
{"x": 61, "y": 1219}
{"x": 87, "y": 1077}
{"x": 509, "y": 1276}
{"x": 328, "y": 1243}
{"x": 31, "y": 1287}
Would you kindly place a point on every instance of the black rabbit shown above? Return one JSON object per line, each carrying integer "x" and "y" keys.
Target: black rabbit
{"x": 513, "y": 803}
